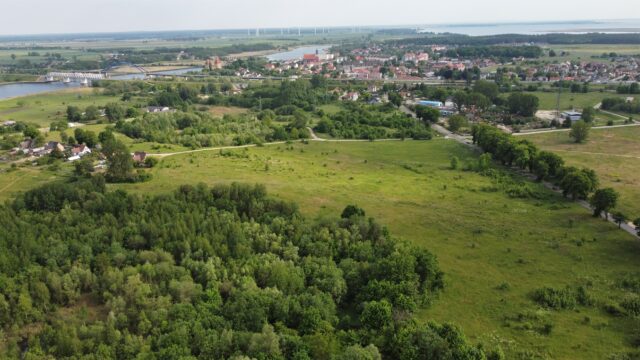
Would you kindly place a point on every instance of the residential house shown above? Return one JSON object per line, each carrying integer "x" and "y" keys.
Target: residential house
{"x": 80, "y": 150}
{"x": 157, "y": 109}
{"x": 27, "y": 145}
{"x": 352, "y": 96}
{"x": 54, "y": 145}
{"x": 139, "y": 156}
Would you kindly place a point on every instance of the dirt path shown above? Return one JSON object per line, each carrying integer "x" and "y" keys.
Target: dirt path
{"x": 314, "y": 137}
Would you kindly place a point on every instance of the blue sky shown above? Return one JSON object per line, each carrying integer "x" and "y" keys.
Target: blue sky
{"x": 65, "y": 16}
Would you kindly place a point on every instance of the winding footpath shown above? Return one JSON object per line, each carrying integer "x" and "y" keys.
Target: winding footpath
{"x": 313, "y": 135}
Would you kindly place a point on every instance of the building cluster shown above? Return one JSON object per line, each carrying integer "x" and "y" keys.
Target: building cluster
{"x": 375, "y": 63}
{"x": 70, "y": 152}
{"x": 618, "y": 70}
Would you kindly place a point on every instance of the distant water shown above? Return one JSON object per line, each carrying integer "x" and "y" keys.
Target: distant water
{"x": 533, "y": 28}
{"x": 23, "y": 89}
{"x": 142, "y": 76}
{"x": 299, "y": 52}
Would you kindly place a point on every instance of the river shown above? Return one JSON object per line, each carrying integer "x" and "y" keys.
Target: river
{"x": 23, "y": 89}
{"x": 298, "y": 53}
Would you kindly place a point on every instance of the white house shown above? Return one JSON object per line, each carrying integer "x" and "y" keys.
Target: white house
{"x": 571, "y": 115}
{"x": 80, "y": 150}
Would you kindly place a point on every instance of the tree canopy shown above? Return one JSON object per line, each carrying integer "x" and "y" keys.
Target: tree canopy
{"x": 206, "y": 273}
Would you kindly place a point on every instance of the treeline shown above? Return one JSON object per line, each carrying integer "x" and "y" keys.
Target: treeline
{"x": 303, "y": 94}
{"x": 142, "y": 56}
{"x": 194, "y": 129}
{"x": 621, "y": 104}
{"x": 210, "y": 273}
{"x": 501, "y": 52}
{"x": 560, "y": 39}
{"x": 510, "y": 151}
{"x": 358, "y": 121}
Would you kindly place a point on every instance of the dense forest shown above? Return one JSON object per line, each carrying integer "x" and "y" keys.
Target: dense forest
{"x": 209, "y": 273}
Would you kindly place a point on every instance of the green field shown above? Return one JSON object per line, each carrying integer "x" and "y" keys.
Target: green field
{"x": 482, "y": 238}
{"x": 586, "y": 51}
{"x": 613, "y": 153}
{"x": 43, "y": 109}
{"x": 568, "y": 100}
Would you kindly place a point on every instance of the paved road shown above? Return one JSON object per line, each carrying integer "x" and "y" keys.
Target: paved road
{"x": 465, "y": 141}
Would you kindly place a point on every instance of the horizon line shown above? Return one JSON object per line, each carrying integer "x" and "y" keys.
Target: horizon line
{"x": 390, "y": 26}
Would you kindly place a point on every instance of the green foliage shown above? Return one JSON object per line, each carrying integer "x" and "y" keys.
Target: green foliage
{"x": 588, "y": 115}
{"x": 83, "y": 167}
{"x": 86, "y": 137}
{"x": 120, "y": 163}
{"x": 580, "y": 131}
{"x": 372, "y": 122}
{"x": 198, "y": 129}
{"x": 487, "y": 88}
{"x": 114, "y": 112}
{"x": 211, "y": 273}
{"x": 455, "y": 162}
{"x": 456, "y": 122}
{"x": 427, "y": 114}
{"x": 577, "y": 183}
{"x": 603, "y": 200}
{"x": 567, "y": 298}
{"x": 352, "y": 210}
{"x": 631, "y": 305}
{"x": 523, "y": 104}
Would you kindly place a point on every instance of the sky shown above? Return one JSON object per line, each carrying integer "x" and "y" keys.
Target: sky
{"x": 79, "y": 16}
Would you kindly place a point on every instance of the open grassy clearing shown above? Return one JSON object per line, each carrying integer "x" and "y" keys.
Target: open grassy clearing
{"x": 568, "y": 100}
{"x": 586, "y": 51}
{"x": 28, "y": 177}
{"x": 42, "y": 109}
{"x": 613, "y": 153}
{"x": 484, "y": 239}
{"x": 220, "y": 111}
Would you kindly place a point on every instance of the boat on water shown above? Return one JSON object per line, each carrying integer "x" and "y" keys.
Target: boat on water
{"x": 85, "y": 82}
{"x": 66, "y": 80}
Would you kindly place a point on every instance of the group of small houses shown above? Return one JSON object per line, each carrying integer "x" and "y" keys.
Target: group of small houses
{"x": 71, "y": 152}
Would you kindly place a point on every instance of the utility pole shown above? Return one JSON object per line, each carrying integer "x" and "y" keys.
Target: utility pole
{"x": 558, "y": 99}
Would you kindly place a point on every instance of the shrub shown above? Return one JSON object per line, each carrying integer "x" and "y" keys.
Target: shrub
{"x": 556, "y": 299}
{"x": 631, "y": 305}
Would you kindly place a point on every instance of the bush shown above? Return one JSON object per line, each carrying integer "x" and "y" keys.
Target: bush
{"x": 351, "y": 211}
{"x": 556, "y": 299}
{"x": 632, "y": 305}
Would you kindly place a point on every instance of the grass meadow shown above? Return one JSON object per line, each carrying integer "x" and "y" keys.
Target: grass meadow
{"x": 613, "y": 153}
{"x": 495, "y": 250}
